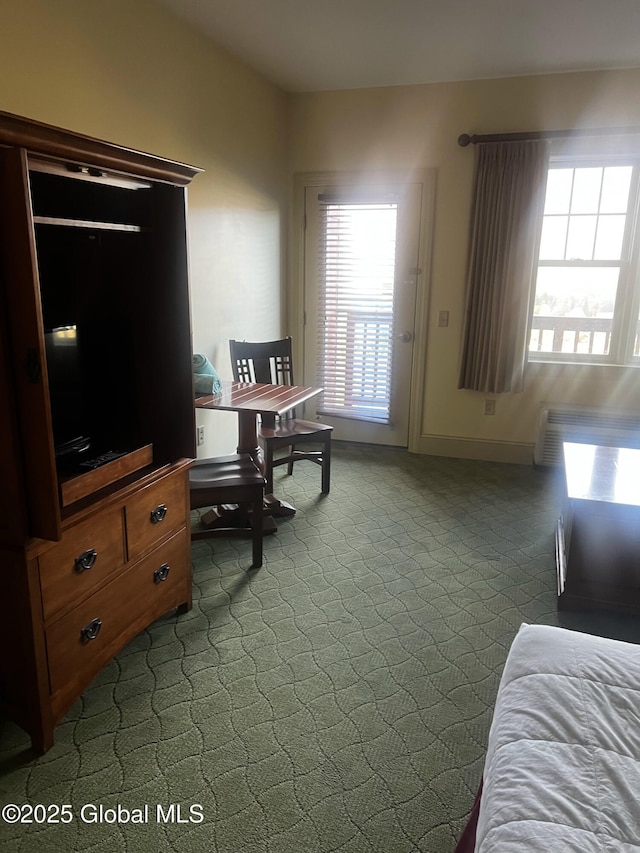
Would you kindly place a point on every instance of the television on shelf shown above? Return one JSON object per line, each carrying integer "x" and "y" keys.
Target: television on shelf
{"x": 69, "y": 407}
{"x": 90, "y": 344}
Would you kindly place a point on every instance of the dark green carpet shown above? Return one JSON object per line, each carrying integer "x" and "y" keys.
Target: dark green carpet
{"x": 338, "y": 699}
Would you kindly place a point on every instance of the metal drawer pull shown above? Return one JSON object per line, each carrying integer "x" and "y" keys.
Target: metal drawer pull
{"x": 158, "y": 514}
{"x": 162, "y": 573}
{"x": 91, "y": 631}
{"x": 86, "y": 560}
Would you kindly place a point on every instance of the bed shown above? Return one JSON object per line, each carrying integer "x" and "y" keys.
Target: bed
{"x": 562, "y": 770}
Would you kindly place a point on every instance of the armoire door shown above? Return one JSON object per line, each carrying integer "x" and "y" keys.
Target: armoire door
{"x": 20, "y": 284}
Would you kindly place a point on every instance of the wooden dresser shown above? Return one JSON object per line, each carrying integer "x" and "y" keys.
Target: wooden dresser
{"x": 97, "y": 425}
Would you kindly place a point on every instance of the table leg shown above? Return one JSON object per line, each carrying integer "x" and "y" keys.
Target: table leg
{"x": 248, "y": 437}
{"x": 248, "y": 443}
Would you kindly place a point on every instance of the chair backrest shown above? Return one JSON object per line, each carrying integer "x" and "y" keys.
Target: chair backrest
{"x": 263, "y": 361}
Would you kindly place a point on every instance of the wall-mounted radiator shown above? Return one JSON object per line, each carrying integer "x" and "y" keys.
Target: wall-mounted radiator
{"x": 585, "y": 425}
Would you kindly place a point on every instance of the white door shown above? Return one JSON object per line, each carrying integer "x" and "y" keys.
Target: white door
{"x": 362, "y": 246}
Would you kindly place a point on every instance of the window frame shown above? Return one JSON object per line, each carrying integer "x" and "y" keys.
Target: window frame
{"x": 626, "y": 312}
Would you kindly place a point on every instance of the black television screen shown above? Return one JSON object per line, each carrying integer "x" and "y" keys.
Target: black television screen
{"x": 66, "y": 258}
{"x": 90, "y": 337}
{"x": 66, "y": 391}
{"x": 68, "y": 264}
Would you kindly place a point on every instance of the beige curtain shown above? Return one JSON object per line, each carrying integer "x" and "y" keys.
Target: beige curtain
{"x": 510, "y": 181}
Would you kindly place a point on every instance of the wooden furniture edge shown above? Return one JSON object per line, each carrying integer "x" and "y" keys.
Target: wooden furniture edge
{"x": 46, "y": 139}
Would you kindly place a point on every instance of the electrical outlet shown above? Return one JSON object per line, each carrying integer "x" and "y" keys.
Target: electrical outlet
{"x": 443, "y": 318}
{"x": 489, "y": 407}
{"x": 200, "y": 435}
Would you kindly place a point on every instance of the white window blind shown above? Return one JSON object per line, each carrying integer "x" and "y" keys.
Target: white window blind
{"x": 356, "y": 295}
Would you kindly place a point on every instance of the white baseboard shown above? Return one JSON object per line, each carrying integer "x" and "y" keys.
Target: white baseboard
{"x": 469, "y": 448}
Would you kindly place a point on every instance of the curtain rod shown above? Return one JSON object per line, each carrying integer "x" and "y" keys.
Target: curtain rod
{"x": 466, "y": 139}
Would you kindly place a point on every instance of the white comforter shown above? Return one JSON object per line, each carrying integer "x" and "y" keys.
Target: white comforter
{"x": 562, "y": 771}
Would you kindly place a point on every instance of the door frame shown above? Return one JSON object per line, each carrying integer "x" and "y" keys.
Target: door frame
{"x": 295, "y": 320}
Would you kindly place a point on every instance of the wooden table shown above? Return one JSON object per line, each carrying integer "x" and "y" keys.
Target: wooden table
{"x": 250, "y": 399}
{"x": 598, "y": 533}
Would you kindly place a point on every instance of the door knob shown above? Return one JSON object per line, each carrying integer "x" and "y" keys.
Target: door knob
{"x": 405, "y": 337}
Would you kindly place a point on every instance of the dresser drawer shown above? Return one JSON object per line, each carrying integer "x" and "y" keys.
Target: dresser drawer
{"x": 86, "y": 557}
{"x": 82, "y": 642}
{"x": 155, "y": 512}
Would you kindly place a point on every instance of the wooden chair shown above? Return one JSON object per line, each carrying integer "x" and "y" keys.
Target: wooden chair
{"x": 223, "y": 481}
{"x": 271, "y": 362}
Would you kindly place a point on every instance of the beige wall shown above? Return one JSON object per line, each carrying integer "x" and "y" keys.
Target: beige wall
{"x": 128, "y": 72}
{"x": 410, "y": 127}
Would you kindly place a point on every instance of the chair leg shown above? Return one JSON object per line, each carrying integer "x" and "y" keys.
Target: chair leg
{"x": 268, "y": 464}
{"x": 326, "y": 466}
{"x": 291, "y": 450}
{"x": 257, "y": 526}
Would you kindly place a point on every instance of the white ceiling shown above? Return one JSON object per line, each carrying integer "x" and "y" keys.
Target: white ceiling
{"x": 317, "y": 45}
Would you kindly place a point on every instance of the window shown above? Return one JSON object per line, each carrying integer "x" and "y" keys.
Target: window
{"x": 356, "y": 307}
{"x": 586, "y": 294}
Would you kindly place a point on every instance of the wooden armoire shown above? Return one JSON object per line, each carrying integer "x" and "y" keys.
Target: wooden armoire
{"x": 96, "y": 410}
